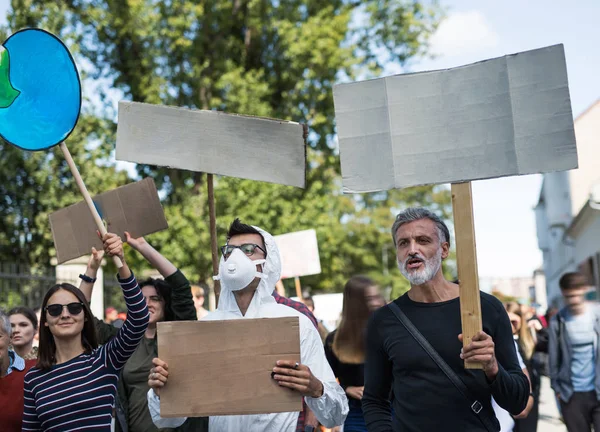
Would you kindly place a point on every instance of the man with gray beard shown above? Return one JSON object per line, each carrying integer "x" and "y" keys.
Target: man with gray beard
{"x": 424, "y": 399}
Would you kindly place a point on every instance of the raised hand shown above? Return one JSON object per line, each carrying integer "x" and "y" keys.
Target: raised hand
{"x": 95, "y": 259}
{"x": 136, "y": 243}
{"x": 113, "y": 245}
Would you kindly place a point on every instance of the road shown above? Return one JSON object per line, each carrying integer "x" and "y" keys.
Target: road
{"x": 549, "y": 420}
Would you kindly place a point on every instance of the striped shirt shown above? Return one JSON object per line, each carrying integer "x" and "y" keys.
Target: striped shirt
{"x": 80, "y": 394}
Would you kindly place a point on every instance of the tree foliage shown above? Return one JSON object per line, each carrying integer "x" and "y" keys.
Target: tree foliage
{"x": 259, "y": 57}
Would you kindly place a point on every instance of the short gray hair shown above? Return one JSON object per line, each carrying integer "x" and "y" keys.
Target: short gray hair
{"x": 412, "y": 214}
{"x": 5, "y": 326}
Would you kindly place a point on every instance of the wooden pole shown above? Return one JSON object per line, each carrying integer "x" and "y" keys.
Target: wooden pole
{"x": 213, "y": 234}
{"x": 87, "y": 197}
{"x": 466, "y": 256}
{"x": 298, "y": 288}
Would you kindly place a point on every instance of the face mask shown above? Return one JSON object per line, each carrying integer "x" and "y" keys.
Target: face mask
{"x": 238, "y": 271}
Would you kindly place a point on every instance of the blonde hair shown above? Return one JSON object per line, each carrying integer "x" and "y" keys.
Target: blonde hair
{"x": 525, "y": 342}
{"x": 196, "y": 290}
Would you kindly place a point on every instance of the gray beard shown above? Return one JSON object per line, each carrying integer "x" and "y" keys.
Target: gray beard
{"x": 419, "y": 277}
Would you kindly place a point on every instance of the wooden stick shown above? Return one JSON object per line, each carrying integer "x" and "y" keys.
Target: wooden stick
{"x": 298, "y": 289}
{"x": 213, "y": 234}
{"x": 466, "y": 256}
{"x": 87, "y": 197}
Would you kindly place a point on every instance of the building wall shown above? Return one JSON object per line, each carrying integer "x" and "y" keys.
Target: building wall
{"x": 562, "y": 198}
{"x": 587, "y": 133}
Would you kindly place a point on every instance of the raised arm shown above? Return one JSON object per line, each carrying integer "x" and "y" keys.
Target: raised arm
{"x": 86, "y": 287}
{"x": 104, "y": 331}
{"x": 182, "y": 303}
{"x": 122, "y": 346}
{"x": 156, "y": 260}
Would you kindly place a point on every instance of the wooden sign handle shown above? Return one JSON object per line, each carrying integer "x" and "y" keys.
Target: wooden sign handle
{"x": 86, "y": 196}
{"x": 298, "y": 289}
{"x": 466, "y": 257}
{"x": 213, "y": 234}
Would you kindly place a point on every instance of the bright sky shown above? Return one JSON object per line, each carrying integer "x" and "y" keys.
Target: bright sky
{"x": 476, "y": 30}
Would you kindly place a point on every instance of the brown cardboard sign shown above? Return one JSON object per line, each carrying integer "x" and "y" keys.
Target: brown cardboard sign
{"x": 134, "y": 208}
{"x": 224, "y": 367}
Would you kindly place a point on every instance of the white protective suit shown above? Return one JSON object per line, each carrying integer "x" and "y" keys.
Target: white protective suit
{"x": 330, "y": 409}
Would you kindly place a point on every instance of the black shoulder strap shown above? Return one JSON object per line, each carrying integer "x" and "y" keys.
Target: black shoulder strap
{"x": 476, "y": 406}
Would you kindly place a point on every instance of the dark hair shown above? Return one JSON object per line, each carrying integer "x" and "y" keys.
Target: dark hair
{"x": 573, "y": 280}
{"x": 164, "y": 292}
{"x": 349, "y": 340}
{"x": 237, "y": 228}
{"x": 417, "y": 213}
{"x": 308, "y": 299}
{"x": 27, "y": 313}
{"x": 47, "y": 347}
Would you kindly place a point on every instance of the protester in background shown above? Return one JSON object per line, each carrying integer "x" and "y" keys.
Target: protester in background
{"x": 111, "y": 315}
{"x": 12, "y": 371}
{"x": 526, "y": 349}
{"x": 36, "y": 338}
{"x": 507, "y": 422}
{"x": 72, "y": 387}
{"x": 574, "y": 355}
{"x": 199, "y": 297}
{"x": 24, "y": 326}
{"x": 424, "y": 399}
{"x": 249, "y": 269}
{"x": 121, "y": 318}
{"x": 167, "y": 300}
{"x": 310, "y": 304}
{"x": 345, "y": 347}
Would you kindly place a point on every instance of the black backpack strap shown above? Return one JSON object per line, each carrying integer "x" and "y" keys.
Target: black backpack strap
{"x": 476, "y": 406}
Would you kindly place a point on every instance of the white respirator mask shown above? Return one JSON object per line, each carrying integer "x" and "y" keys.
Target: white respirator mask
{"x": 238, "y": 271}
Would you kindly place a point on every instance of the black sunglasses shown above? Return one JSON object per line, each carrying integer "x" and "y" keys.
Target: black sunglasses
{"x": 247, "y": 248}
{"x": 56, "y": 309}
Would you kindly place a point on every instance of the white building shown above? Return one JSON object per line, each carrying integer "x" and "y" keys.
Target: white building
{"x": 567, "y": 216}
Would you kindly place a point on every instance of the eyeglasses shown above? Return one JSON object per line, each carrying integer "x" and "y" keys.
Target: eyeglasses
{"x": 56, "y": 309}
{"x": 247, "y": 248}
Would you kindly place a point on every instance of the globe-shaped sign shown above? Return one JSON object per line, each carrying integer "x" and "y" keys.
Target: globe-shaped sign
{"x": 40, "y": 91}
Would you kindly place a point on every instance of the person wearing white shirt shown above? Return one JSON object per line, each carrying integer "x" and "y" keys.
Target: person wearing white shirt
{"x": 249, "y": 269}
{"x": 507, "y": 422}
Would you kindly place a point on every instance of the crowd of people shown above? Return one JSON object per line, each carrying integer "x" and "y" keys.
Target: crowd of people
{"x": 387, "y": 367}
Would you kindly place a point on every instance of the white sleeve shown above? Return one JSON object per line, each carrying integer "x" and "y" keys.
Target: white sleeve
{"x": 331, "y": 408}
{"x": 159, "y": 422}
{"x": 521, "y": 362}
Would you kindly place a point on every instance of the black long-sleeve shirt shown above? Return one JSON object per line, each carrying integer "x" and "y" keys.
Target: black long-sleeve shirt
{"x": 348, "y": 374}
{"x": 424, "y": 399}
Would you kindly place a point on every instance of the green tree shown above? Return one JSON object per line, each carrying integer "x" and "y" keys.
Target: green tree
{"x": 257, "y": 57}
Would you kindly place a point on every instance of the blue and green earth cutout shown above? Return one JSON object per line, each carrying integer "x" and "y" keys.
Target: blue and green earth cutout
{"x": 40, "y": 91}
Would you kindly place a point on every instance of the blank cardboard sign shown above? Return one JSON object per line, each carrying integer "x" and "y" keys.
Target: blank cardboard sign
{"x": 247, "y": 147}
{"x": 299, "y": 253}
{"x": 505, "y": 116}
{"x": 134, "y": 208}
{"x": 224, "y": 367}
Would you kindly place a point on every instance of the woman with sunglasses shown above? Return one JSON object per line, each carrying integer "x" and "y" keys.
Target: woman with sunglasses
{"x": 168, "y": 300}
{"x": 72, "y": 387}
